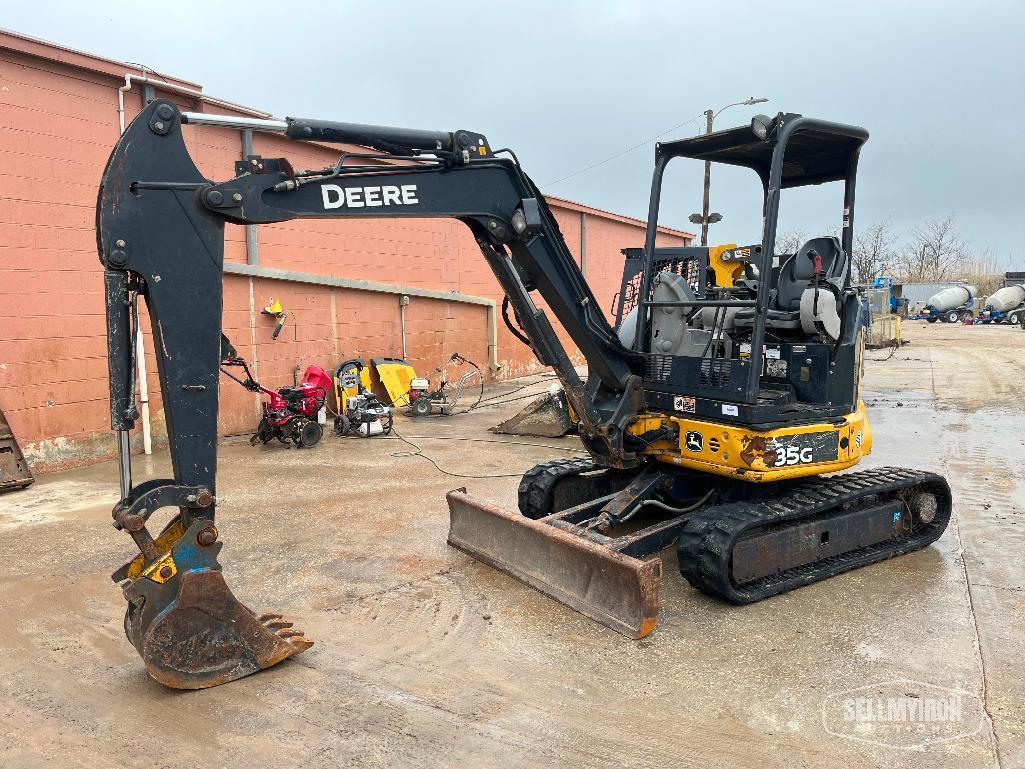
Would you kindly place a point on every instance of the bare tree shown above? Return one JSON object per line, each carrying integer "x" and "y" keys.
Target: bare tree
{"x": 789, "y": 241}
{"x": 936, "y": 253}
{"x": 984, "y": 271}
{"x": 874, "y": 246}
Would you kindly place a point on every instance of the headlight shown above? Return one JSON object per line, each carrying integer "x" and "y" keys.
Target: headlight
{"x": 760, "y": 125}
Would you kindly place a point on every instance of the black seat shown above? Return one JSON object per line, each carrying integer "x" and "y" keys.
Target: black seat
{"x": 799, "y": 269}
{"x": 794, "y": 276}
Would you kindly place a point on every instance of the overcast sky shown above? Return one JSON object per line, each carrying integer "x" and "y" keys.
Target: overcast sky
{"x": 939, "y": 85}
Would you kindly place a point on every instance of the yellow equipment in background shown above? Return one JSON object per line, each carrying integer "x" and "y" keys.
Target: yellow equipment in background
{"x": 275, "y": 310}
{"x": 360, "y": 411}
{"x": 395, "y": 375}
{"x": 727, "y": 262}
{"x": 352, "y": 378}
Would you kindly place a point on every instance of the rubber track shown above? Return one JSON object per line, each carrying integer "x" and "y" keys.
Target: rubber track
{"x": 707, "y": 540}
{"x": 538, "y": 484}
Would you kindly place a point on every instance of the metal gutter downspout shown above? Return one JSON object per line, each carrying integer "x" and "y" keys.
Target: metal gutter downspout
{"x": 403, "y": 301}
{"x": 583, "y": 244}
{"x": 252, "y": 235}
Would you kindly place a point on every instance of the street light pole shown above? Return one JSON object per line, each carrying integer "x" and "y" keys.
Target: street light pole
{"x": 706, "y": 218}
{"x": 709, "y": 117}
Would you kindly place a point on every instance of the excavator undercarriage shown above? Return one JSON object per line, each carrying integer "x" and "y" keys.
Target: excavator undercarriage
{"x": 731, "y": 544}
{"x": 712, "y": 414}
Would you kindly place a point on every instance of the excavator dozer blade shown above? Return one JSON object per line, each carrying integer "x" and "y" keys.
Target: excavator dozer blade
{"x": 187, "y": 625}
{"x": 614, "y": 589}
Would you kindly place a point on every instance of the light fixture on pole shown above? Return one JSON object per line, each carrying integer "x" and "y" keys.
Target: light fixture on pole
{"x": 704, "y": 218}
{"x": 699, "y": 219}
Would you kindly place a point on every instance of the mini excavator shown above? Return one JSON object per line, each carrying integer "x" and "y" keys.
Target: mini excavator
{"x": 715, "y": 416}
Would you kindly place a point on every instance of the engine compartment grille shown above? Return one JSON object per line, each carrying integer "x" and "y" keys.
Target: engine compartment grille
{"x": 715, "y": 372}
{"x": 660, "y": 368}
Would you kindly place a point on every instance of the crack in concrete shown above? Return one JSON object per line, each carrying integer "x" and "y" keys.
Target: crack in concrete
{"x": 978, "y": 650}
{"x": 1001, "y": 587}
{"x": 977, "y": 639}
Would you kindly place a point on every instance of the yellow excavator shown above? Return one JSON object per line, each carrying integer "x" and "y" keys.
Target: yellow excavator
{"x": 713, "y": 417}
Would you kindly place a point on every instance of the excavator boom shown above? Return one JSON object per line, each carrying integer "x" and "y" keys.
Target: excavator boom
{"x": 160, "y": 236}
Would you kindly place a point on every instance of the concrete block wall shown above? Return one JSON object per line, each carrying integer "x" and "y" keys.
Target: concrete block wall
{"x": 58, "y": 121}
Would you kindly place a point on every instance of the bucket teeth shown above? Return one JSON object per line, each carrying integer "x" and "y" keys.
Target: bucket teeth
{"x": 284, "y": 629}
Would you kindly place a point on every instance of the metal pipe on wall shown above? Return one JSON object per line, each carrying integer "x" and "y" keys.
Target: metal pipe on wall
{"x": 252, "y": 236}
{"x": 403, "y": 301}
{"x": 583, "y": 243}
{"x": 140, "y": 356}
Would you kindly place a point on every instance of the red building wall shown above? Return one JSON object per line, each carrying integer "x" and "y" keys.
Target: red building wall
{"x": 58, "y": 122}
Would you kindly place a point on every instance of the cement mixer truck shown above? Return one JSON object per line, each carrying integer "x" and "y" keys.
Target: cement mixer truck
{"x": 1007, "y": 304}
{"x": 951, "y": 305}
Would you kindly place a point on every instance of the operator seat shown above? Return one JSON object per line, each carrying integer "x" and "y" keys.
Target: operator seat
{"x": 784, "y": 312}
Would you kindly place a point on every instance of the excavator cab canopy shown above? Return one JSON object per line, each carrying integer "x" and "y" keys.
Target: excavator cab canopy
{"x": 816, "y": 151}
{"x": 731, "y": 326}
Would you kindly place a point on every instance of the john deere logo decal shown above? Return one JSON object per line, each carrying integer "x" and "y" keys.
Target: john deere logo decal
{"x": 694, "y": 441}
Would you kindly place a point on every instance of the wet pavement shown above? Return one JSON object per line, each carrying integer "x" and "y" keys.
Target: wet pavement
{"x": 427, "y": 658}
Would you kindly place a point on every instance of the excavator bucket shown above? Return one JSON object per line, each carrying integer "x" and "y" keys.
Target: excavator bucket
{"x": 548, "y": 416}
{"x": 187, "y": 625}
{"x": 617, "y": 590}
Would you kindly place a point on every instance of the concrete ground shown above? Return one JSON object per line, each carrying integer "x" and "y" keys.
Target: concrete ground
{"x": 426, "y": 658}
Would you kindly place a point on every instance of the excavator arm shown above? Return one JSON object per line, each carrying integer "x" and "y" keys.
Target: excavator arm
{"x": 160, "y": 233}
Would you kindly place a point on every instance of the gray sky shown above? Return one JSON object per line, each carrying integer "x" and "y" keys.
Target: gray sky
{"x": 938, "y": 84}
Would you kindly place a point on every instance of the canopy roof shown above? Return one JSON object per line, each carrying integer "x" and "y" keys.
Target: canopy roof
{"x": 816, "y": 151}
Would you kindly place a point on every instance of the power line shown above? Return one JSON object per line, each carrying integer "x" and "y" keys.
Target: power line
{"x": 624, "y": 152}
